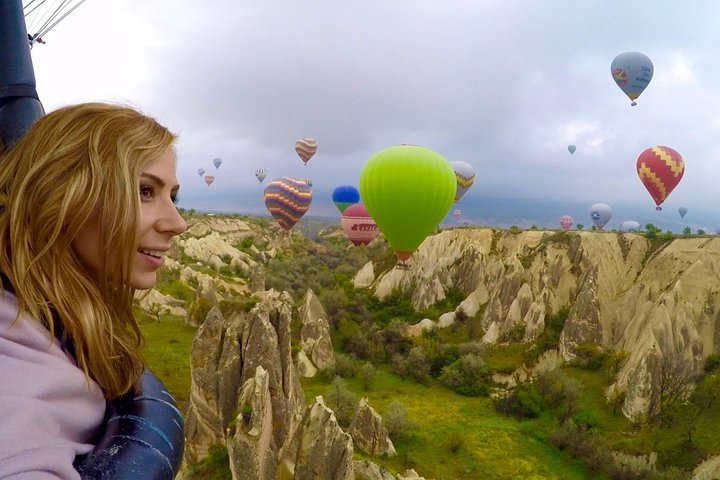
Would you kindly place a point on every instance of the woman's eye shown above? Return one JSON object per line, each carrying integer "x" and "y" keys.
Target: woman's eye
{"x": 175, "y": 198}
{"x": 146, "y": 192}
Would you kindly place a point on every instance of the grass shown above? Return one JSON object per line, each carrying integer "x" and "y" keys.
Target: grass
{"x": 167, "y": 353}
{"x": 491, "y": 446}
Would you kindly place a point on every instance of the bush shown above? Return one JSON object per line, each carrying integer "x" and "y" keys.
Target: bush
{"x": 342, "y": 401}
{"x": 467, "y": 376}
{"x": 523, "y": 402}
{"x": 587, "y": 419}
{"x": 396, "y": 421}
{"x": 712, "y": 362}
{"x": 590, "y": 356}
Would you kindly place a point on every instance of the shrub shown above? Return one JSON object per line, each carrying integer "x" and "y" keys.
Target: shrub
{"x": 587, "y": 419}
{"x": 712, "y": 362}
{"x": 342, "y": 401}
{"x": 396, "y": 421}
{"x": 523, "y": 402}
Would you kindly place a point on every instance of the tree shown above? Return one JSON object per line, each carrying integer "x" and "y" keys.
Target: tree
{"x": 342, "y": 401}
{"x": 396, "y": 421}
{"x": 687, "y": 231}
{"x": 579, "y": 226}
{"x": 674, "y": 377}
{"x": 708, "y": 390}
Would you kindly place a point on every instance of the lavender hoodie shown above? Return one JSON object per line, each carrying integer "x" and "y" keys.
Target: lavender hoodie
{"x": 49, "y": 413}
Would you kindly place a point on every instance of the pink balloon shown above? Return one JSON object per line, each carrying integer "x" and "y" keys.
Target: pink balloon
{"x": 566, "y": 221}
{"x": 358, "y": 225}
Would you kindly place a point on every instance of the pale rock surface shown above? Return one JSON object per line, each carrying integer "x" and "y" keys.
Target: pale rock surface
{"x": 249, "y": 438}
{"x": 368, "y": 432}
{"x": 305, "y": 366}
{"x": 159, "y": 304}
{"x": 365, "y": 277}
{"x": 657, "y": 307}
{"x": 416, "y": 329}
{"x": 708, "y": 470}
{"x": 324, "y": 450}
{"x": 225, "y": 355}
{"x": 315, "y": 338}
{"x": 367, "y": 470}
{"x": 410, "y": 474}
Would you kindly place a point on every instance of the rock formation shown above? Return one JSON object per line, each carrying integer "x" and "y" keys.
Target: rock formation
{"x": 228, "y": 358}
{"x": 368, "y": 432}
{"x": 315, "y": 339}
{"x": 663, "y": 306}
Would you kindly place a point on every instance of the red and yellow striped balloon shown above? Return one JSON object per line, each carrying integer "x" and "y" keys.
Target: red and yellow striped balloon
{"x": 660, "y": 170}
{"x": 306, "y": 148}
{"x": 287, "y": 199}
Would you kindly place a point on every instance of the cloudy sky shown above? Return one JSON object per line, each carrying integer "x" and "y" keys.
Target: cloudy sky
{"x": 503, "y": 85}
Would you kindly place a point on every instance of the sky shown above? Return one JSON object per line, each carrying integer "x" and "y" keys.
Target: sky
{"x": 503, "y": 85}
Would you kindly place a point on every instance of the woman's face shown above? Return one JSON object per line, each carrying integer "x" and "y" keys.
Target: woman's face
{"x": 160, "y": 221}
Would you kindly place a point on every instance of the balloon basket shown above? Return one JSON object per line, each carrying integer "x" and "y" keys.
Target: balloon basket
{"x": 402, "y": 266}
{"x": 658, "y": 208}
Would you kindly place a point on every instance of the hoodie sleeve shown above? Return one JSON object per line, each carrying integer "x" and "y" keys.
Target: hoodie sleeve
{"x": 50, "y": 412}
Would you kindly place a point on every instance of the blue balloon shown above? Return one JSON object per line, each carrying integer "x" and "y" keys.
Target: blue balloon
{"x": 344, "y": 196}
{"x": 629, "y": 226}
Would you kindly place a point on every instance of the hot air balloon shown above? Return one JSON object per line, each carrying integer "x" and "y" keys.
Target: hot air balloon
{"x": 682, "y": 211}
{"x": 306, "y": 148}
{"x": 209, "y": 179}
{"x": 201, "y": 171}
{"x": 287, "y": 199}
{"x": 571, "y": 149}
{"x": 217, "y": 162}
{"x": 408, "y": 190}
{"x": 629, "y": 226}
{"x": 457, "y": 213}
{"x": 600, "y": 214}
{"x": 660, "y": 170}
{"x": 632, "y": 71}
{"x": 465, "y": 175}
{"x": 344, "y": 196}
{"x": 358, "y": 225}
{"x": 260, "y": 173}
{"x": 566, "y": 221}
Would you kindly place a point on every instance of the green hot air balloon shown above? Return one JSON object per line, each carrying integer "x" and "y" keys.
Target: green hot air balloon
{"x": 407, "y": 190}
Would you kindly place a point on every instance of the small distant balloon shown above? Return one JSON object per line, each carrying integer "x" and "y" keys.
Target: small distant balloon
{"x": 566, "y": 221}
{"x": 632, "y": 72}
{"x": 457, "y": 213}
{"x": 209, "y": 179}
{"x": 358, "y": 225}
{"x": 571, "y": 149}
{"x": 287, "y": 199}
{"x": 660, "y": 169}
{"x": 682, "y": 211}
{"x": 629, "y": 226}
{"x": 201, "y": 171}
{"x": 217, "y": 162}
{"x": 261, "y": 174}
{"x": 600, "y": 214}
{"x": 465, "y": 175}
{"x": 306, "y": 148}
{"x": 344, "y": 196}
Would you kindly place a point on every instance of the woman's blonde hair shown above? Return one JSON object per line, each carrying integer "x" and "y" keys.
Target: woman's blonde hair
{"x": 77, "y": 163}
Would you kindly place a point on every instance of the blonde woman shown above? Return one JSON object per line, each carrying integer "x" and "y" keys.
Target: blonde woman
{"x": 87, "y": 211}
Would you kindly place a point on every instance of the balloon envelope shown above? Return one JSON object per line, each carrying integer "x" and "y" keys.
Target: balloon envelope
{"x": 632, "y": 72}
{"x": 217, "y": 162}
{"x": 201, "y": 171}
{"x": 344, "y": 196}
{"x": 209, "y": 179}
{"x": 260, "y": 174}
{"x": 287, "y": 199}
{"x": 408, "y": 190}
{"x": 465, "y": 175}
{"x": 306, "y": 148}
{"x": 629, "y": 226}
{"x": 682, "y": 211}
{"x": 571, "y": 149}
{"x": 660, "y": 169}
{"x": 358, "y": 225}
{"x": 566, "y": 221}
{"x": 600, "y": 214}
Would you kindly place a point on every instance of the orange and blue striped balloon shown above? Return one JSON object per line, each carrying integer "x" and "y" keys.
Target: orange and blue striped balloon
{"x": 660, "y": 169}
{"x": 287, "y": 199}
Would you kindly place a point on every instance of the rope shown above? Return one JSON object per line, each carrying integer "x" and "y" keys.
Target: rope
{"x": 48, "y": 21}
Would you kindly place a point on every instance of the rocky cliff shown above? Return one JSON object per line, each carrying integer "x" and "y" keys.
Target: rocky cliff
{"x": 656, "y": 301}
